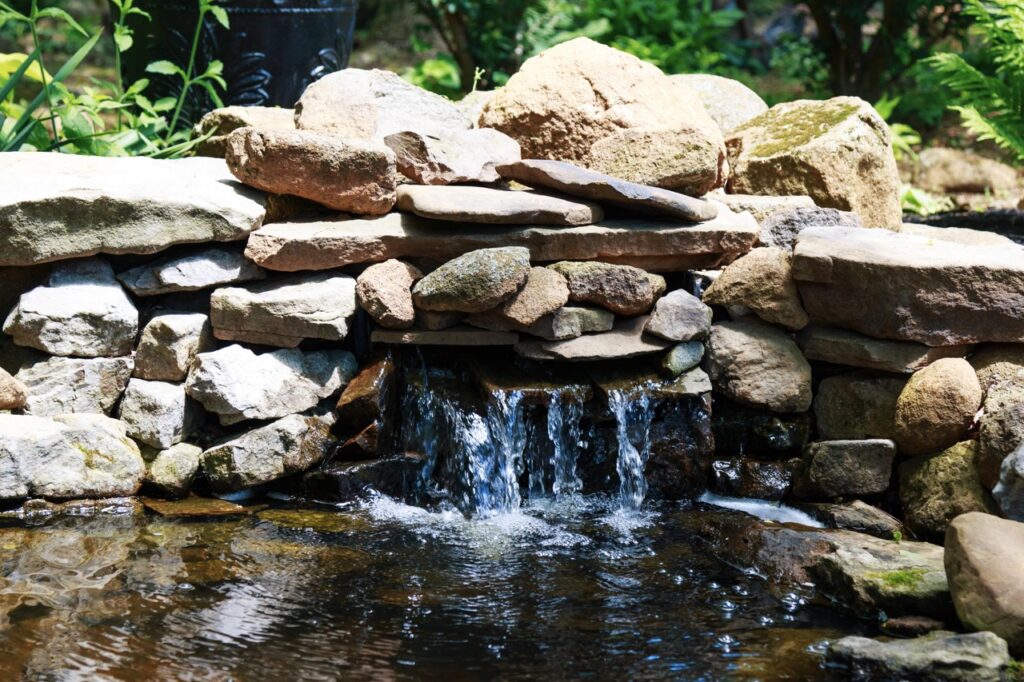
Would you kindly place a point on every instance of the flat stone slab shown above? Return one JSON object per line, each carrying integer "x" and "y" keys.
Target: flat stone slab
{"x": 842, "y": 347}
{"x": 651, "y": 245}
{"x": 192, "y": 507}
{"x": 460, "y": 335}
{"x": 588, "y": 184}
{"x": 911, "y": 288}
{"x": 466, "y": 204}
{"x": 625, "y": 340}
{"x": 201, "y": 270}
{"x": 59, "y": 206}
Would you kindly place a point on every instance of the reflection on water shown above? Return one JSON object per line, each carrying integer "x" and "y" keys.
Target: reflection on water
{"x": 387, "y": 591}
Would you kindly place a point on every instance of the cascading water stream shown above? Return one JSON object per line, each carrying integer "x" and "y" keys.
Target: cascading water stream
{"x": 633, "y": 411}
{"x": 565, "y": 414}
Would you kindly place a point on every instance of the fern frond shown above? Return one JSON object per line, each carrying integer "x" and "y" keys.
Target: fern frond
{"x": 969, "y": 83}
{"x": 1007, "y": 131}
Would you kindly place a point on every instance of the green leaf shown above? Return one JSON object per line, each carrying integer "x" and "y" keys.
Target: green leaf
{"x": 123, "y": 37}
{"x": 58, "y": 13}
{"x": 165, "y": 68}
{"x": 18, "y": 74}
{"x": 137, "y": 87}
{"x": 164, "y": 104}
{"x": 221, "y": 15}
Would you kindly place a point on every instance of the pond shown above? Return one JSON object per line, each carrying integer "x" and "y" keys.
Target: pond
{"x": 382, "y": 590}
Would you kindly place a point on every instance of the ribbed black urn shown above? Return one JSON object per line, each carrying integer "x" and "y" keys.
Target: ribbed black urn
{"x": 272, "y": 51}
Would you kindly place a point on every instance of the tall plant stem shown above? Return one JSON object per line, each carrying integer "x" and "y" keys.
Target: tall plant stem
{"x": 42, "y": 67}
{"x": 188, "y": 74}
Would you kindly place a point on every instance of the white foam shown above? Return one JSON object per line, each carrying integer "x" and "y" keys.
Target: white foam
{"x": 762, "y": 509}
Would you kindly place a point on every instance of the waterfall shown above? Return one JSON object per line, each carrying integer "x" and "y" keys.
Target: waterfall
{"x": 565, "y": 413}
{"x": 633, "y": 412}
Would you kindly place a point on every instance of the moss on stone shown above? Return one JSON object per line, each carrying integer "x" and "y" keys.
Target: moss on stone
{"x": 903, "y": 578}
{"x": 783, "y": 130}
{"x": 92, "y": 456}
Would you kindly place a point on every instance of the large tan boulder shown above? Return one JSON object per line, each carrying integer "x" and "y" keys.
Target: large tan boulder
{"x": 857, "y": 406}
{"x": 762, "y": 281}
{"x": 837, "y": 151}
{"x": 728, "y": 101}
{"x": 580, "y": 95}
{"x": 936, "y": 407}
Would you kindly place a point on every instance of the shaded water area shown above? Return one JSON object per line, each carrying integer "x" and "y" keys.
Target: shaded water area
{"x": 382, "y": 590}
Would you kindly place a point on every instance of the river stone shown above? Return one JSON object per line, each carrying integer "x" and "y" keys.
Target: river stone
{"x": 842, "y": 347}
{"x": 13, "y": 393}
{"x": 683, "y": 357}
{"x": 953, "y": 171}
{"x": 1002, "y": 427}
{"x": 908, "y": 288}
{"x": 456, "y": 157}
{"x": 809, "y": 146}
{"x": 683, "y": 159}
{"x": 997, "y": 362}
{"x": 937, "y": 406}
{"x": 855, "y": 515}
{"x": 384, "y": 290}
{"x": 625, "y": 340}
{"x": 204, "y": 269}
{"x": 936, "y": 488}
{"x": 326, "y": 245}
{"x": 172, "y": 471}
{"x": 1009, "y": 491}
{"x": 570, "y": 322}
{"x": 157, "y": 413}
{"x": 225, "y": 120}
{"x": 758, "y": 365}
{"x": 81, "y": 312}
{"x": 841, "y": 468}
{"x": 60, "y": 206}
{"x": 491, "y": 206}
{"x": 605, "y": 189}
{"x": 475, "y": 281}
{"x": 762, "y": 282}
{"x": 622, "y": 289}
{"x": 857, "y": 406}
{"x": 236, "y": 384}
{"x": 980, "y": 656}
{"x": 366, "y": 398}
{"x": 69, "y": 456}
{"x": 169, "y": 344}
{"x": 680, "y": 316}
{"x": 545, "y": 292}
{"x": 286, "y": 446}
{"x": 372, "y": 104}
{"x": 781, "y": 228}
{"x": 983, "y": 558}
{"x": 573, "y": 95}
{"x": 342, "y": 174}
{"x": 283, "y": 312}
{"x": 75, "y": 385}
{"x": 729, "y": 102}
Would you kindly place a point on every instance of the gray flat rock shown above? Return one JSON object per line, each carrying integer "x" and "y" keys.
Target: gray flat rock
{"x": 75, "y": 385}
{"x": 625, "y": 340}
{"x": 201, "y": 270}
{"x": 842, "y": 347}
{"x": 489, "y": 206}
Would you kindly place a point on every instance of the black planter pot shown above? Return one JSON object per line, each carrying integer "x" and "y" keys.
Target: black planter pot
{"x": 273, "y": 50}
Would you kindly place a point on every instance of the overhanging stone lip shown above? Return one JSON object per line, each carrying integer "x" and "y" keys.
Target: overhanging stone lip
{"x": 327, "y": 244}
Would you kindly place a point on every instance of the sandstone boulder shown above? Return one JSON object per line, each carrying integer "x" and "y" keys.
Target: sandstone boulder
{"x": 384, "y": 290}
{"x": 157, "y": 413}
{"x": 225, "y": 120}
{"x": 758, "y": 365}
{"x": 936, "y": 488}
{"x": 169, "y": 344}
{"x": 201, "y": 270}
{"x": 809, "y": 146}
{"x": 842, "y": 347}
{"x": 937, "y": 406}
{"x": 681, "y": 159}
{"x": 236, "y": 384}
{"x": 172, "y": 471}
{"x": 342, "y": 174}
{"x": 458, "y": 156}
{"x": 82, "y": 312}
{"x": 475, "y": 281}
{"x": 761, "y": 281}
{"x": 680, "y": 316}
{"x": 492, "y": 206}
{"x": 13, "y": 393}
{"x": 622, "y": 289}
{"x": 729, "y": 102}
{"x": 857, "y": 406}
{"x": 74, "y": 385}
{"x": 1002, "y": 427}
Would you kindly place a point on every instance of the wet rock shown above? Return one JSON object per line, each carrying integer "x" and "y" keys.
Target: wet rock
{"x": 740, "y": 429}
{"x": 1009, "y": 491}
{"x": 1002, "y": 427}
{"x": 573, "y": 95}
{"x": 366, "y": 444}
{"x": 225, "y": 120}
{"x": 808, "y": 147}
{"x": 758, "y": 365}
{"x": 457, "y": 157}
{"x": 570, "y": 322}
{"x": 474, "y": 282}
{"x": 169, "y": 344}
{"x": 752, "y": 478}
{"x": 857, "y": 406}
{"x": 953, "y": 171}
{"x": 384, "y": 291}
{"x": 937, "y": 406}
{"x": 342, "y": 174}
{"x": 367, "y": 397}
{"x": 193, "y": 507}
{"x": 158, "y": 413}
{"x": 435, "y": 321}
{"x": 729, "y": 102}
{"x": 763, "y": 206}
{"x": 605, "y": 189}
{"x": 545, "y": 292}
{"x": 936, "y": 656}
{"x": 983, "y": 558}
{"x": 781, "y": 228}
{"x": 911, "y": 626}
{"x": 286, "y": 446}
{"x": 857, "y": 516}
{"x": 460, "y": 335}
{"x": 840, "y": 468}
{"x": 622, "y": 289}
{"x": 683, "y": 357}
{"x": 284, "y": 312}
{"x": 935, "y": 489}
{"x": 933, "y": 292}
{"x": 679, "y": 316}
{"x": 13, "y": 393}
{"x": 491, "y": 206}
{"x": 372, "y": 104}
{"x": 625, "y": 340}
{"x": 60, "y": 206}
{"x": 172, "y": 471}
{"x": 842, "y": 347}
{"x": 997, "y": 362}
{"x": 348, "y": 481}
{"x": 82, "y": 312}
{"x": 201, "y": 270}
{"x": 75, "y": 385}
{"x": 75, "y": 455}
{"x": 236, "y": 384}
{"x": 761, "y": 281}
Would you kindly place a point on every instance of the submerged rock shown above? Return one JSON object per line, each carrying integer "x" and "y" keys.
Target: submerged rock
{"x": 394, "y": 476}
{"x": 201, "y": 270}
{"x": 935, "y": 489}
{"x": 384, "y": 290}
{"x": 761, "y": 281}
{"x": 936, "y": 656}
{"x": 75, "y": 385}
{"x": 169, "y": 344}
{"x": 622, "y": 289}
{"x": 937, "y": 406}
{"x": 474, "y": 282}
